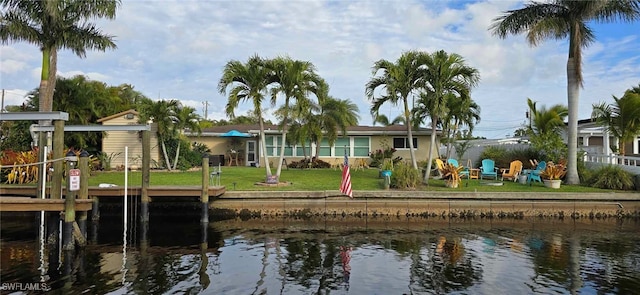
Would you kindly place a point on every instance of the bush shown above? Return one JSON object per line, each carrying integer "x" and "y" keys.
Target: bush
{"x": 405, "y": 177}
{"x": 497, "y": 154}
{"x": 309, "y": 163}
{"x": 611, "y": 177}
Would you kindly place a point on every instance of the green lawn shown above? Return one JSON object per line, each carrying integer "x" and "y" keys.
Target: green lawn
{"x": 244, "y": 178}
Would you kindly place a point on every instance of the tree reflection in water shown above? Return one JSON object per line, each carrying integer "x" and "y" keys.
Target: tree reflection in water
{"x": 340, "y": 255}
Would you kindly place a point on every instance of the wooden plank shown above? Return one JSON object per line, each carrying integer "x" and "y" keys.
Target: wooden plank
{"x": 20, "y": 204}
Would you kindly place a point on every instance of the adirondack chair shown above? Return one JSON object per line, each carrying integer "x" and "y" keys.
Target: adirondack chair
{"x": 488, "y": 169}
{"x": 515, "y": 167}
{"x": 464, "y": 172}
{"x": 438, "y": 168}
{"x": 535, "y": 174}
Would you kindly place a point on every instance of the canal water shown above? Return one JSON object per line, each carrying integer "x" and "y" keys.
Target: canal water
{"x": 327, "y": 255}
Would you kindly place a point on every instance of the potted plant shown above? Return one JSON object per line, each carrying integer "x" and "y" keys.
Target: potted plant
{"x": 386, "y": 167}
{"x": 551, "y": 175}
{"x": 451, "y": 175}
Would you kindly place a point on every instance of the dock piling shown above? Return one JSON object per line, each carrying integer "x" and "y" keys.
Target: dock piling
{"x": 84, "y": 190}
{"x": 204, "y": 197}
{"x": 146, "y": 161}
{"x": 69, "y": 206}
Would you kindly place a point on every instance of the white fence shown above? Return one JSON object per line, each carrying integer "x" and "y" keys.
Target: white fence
{"x": 630, "y": 164}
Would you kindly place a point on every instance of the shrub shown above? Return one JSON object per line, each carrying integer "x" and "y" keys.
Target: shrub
{"x": 405, "y": 177}
{"x": 611, "y": 177}
{"x": 495, "y": 153}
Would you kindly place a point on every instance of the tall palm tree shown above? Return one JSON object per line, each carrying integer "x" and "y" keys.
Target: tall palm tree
{"x": 566, "y": 19}
{"x": 295, "y": 80}
{"x": 445, "y": 75}
{"x": 54, "y": 25}
{"x": 621, "y": 118}
{"x": 248, "y": 82}
{"x": 396, "y": 83}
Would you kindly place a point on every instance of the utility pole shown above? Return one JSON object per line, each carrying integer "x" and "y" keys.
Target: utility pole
{"x": 206, "y": 109}
{"x": 2, "y": 105}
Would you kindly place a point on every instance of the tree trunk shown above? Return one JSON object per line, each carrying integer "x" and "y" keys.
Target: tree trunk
{"x": 263, "y": 147}
{"x": 573, "y": 94}
{"x": 430, "y": 156}
{"x": 409, "y": 124}
{"x": 175, "y": 161}
{"x": 166, "y": 157}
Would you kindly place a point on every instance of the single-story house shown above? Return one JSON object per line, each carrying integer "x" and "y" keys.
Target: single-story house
{"x": 594, "y": 139}
{"x": 359, "y": 142}
{"x": 114, "y": 142}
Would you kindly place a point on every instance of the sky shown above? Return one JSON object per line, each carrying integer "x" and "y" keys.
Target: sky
{"x": 178, "y": 49}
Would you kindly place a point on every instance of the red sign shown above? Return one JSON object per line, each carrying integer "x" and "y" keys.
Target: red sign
{"x": 74, "y": 179}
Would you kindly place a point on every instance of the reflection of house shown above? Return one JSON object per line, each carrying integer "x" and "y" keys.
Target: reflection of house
{"x": 359, "y": 142}
{"x": 113, "y": 142}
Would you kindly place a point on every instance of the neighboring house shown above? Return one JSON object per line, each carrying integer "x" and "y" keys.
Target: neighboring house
{"x": 594, "y": 139}
{"x": 359, "y": 142}
{"x": 114, "y": 142}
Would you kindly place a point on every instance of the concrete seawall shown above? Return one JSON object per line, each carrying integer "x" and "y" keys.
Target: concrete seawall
{"x": 421, "y": 203}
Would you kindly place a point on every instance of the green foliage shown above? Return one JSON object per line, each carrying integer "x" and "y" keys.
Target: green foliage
{"x": 405, "y": 177}
{"x": 106, "y": 160}
{"x": 551, "y": 145}
{"x": 495, "y": 153}
{"x": 611, "y": 177}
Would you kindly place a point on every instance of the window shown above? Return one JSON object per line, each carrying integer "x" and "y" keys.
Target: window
{"x": 403, "y": 143}
{"x": 340, "y": 145}
{"x": 361, "y": 146}
{"x": 325, "y": 148}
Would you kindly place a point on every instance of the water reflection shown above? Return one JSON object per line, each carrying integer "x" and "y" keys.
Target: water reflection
{"x": 331, "y": 255}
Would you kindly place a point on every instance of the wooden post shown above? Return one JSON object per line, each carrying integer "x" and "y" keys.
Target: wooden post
{"x": 58, "y": 153}
{"x": 204, "y": 197}
{"x": 84, "y": 190}
{"x": 53, "y": 218}
{"x": 69, "y": 209}
{"x": 146, "y": 160}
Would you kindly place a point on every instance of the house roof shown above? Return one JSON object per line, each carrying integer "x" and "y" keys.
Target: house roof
{"x": 352, "y": 130}
{"x": 120, "y": 114}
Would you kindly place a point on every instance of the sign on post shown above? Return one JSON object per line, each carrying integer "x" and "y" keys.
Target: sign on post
{"x": 74, "y": 179}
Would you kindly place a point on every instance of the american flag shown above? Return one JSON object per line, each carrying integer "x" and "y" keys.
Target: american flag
{"x": 345, "y": 186}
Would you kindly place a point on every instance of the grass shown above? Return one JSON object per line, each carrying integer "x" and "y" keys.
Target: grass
{"x": 244, "y": 178}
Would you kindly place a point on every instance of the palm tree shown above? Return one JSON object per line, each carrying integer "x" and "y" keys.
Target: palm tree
{"x": 445, "y": 75}
{"x": 186, "y": 117}
{"x": 463, "y": 111}
{"x": 621, "y": 119}
{"x": 54, "y": 25}
{"x": 546, "y": 120}
{"x": 545, "y": 129}
{"x": 295, "y": 79}
{"x": 333, "y": 116}
{"x": 163, "y": 114}
{"x": 384, "y": 120}
{"x": 562, "y": 19}
{"x": 248, "y": 82}
{"x": 397, "y": 81}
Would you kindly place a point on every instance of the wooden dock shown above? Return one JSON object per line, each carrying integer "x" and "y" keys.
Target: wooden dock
{"x": 118, "y": 191}
{"x": 26, "y": 204}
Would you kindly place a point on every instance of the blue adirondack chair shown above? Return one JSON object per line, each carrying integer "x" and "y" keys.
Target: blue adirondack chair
{"x": 488, "y": 169}
{"x": 464, "y": 172}
{"x": 535, "y": 174}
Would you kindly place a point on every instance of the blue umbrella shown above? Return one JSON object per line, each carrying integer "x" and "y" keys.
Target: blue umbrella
{"x": 235, "y": 133}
